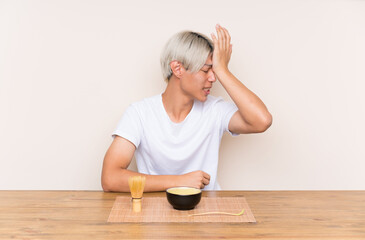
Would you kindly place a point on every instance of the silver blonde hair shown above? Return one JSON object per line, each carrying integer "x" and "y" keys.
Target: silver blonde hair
{"x": 190, "y": 48}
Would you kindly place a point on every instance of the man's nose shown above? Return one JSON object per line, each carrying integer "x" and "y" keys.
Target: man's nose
{"x": 211, "y": 77}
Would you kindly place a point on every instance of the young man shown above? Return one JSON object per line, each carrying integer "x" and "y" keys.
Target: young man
{"x": 176, "y": 135}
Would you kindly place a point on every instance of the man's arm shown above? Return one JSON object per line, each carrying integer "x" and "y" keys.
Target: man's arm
{"x": 252, "y": 115}
{"x": 115, "y": 173}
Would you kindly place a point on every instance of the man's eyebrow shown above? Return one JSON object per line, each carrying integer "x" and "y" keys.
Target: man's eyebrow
{"x": 209, "y": 65}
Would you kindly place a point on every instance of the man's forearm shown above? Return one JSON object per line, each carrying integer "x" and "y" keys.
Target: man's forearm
{"x": 250, "y": 107}
{"x": 117, "y": 181}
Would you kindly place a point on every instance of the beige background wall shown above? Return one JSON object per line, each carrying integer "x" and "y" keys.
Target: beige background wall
{"x": 68, "y": 70}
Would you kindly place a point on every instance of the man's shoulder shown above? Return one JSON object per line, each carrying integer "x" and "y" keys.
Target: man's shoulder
{"x": 147, "y": 102}
{"x": 145, "y": 106}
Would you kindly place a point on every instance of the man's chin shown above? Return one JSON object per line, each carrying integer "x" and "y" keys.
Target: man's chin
{"x": 202, "y": 99}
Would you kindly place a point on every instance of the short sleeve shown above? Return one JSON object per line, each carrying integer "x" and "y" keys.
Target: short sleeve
{"x": 226, "y": 110}
{"x": 130, "y": 127}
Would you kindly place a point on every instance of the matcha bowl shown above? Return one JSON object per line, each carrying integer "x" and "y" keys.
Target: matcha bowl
{"x": 183, "y": 198}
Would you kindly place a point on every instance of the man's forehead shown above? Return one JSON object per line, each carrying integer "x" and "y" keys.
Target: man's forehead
{"x": 209, "y": 61}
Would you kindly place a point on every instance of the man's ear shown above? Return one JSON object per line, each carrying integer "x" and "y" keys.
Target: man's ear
{"x": 177, "y": 68}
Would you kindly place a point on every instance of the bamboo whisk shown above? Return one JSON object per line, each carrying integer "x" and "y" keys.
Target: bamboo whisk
{"x": 136, "y": 186}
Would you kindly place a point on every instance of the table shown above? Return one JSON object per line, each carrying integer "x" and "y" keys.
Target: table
{"x": 279, "y": 215}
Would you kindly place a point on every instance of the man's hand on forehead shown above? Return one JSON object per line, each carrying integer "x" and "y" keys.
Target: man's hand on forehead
{"x": 222, "y": 49}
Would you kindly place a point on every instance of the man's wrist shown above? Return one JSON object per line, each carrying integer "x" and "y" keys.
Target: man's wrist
{"x": 171, "y": 181}
{"x": 176, "y": 180}
{"x": 222, "y": 73}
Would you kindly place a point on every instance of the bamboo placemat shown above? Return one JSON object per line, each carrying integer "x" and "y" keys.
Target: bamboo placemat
{"x": 158, "y": 209}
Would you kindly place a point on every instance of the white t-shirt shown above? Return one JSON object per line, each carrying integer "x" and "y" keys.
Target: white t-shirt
{"x": 168, "y": 148}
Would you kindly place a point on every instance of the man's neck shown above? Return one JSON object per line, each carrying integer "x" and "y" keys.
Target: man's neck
{"x": 177, "y": 104}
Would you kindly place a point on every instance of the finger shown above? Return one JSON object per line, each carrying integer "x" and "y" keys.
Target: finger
{"x": 228, "y": 38}
{"x": 225, "y": 38}
{"x": 205, "y": 181}
{"x": 227, "y": 33}
{"x": 220, "y": 36}
{"x": 206, "y": 175}
{"x": 215, "y": 41}
{"x": 214, "y": 38}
